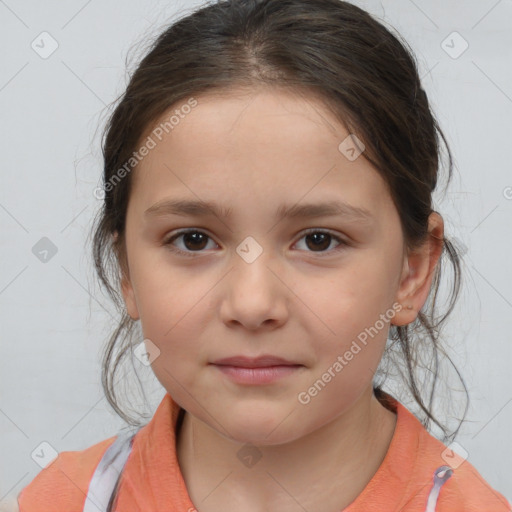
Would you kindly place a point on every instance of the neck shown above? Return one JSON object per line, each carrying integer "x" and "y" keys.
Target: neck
{"x": 342, "y": 455}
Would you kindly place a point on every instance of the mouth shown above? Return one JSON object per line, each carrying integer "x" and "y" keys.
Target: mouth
{"x": 253, "y": 371}
{"x": 264, "y": 361}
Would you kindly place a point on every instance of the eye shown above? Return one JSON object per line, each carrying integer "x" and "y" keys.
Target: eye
{"x": 194, "y": 241}
{"x": 321, "y": 239}
{"x": 192, "y": 238}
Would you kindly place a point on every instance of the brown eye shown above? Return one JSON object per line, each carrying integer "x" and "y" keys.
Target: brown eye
{"x": 319, "y": 241}
{"x": 195, "y": 241}
{"x": 192, "y": 241}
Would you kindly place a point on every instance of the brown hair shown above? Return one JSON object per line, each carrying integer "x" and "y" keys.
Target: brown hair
{"x": 364, "y": 74}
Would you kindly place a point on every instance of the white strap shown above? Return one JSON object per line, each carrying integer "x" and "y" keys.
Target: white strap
{"x": 441, "y": 474}
{"x": 107, "y": 472}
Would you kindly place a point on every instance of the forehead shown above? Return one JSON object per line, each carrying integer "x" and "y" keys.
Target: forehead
{"x": 268, "y": 142}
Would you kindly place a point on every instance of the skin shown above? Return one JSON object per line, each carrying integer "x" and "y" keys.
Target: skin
{"x": 251, "y": 151}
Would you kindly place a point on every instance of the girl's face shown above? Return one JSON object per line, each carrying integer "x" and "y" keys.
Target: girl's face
{"x": 252, "y": 281}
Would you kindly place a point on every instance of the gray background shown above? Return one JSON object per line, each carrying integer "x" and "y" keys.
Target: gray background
{"x": 54, "y": 318}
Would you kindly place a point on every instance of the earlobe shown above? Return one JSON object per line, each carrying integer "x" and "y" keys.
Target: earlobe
{"x": 418, "y": 273}
{"x": 129, "y": 299}
{"x": 126, "y": 285}
{"x": 408, "y": 295}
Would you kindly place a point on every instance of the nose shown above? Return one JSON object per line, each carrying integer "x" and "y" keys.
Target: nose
{"x": 255, "y": 294}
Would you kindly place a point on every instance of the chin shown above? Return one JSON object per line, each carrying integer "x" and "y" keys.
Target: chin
{"x": 262, "y": 429}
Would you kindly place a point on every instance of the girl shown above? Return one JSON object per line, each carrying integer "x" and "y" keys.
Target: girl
{"x": 268, "y": 187}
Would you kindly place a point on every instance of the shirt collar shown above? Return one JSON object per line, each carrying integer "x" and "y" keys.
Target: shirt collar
{"x": 152, "y": 479}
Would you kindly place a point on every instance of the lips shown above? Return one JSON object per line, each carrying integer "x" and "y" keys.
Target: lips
{"x": 264, "y": 361}
{"x": 256, "y": 371}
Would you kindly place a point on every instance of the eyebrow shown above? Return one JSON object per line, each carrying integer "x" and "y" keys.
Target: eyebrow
{"x": 199, "y": 208}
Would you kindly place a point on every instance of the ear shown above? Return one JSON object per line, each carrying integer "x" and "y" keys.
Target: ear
{"x": 418, "y": 273}
{"x": 129, "y": 298}
{"x": 126, "y": 285}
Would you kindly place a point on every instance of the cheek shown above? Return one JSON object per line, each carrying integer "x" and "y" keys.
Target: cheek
{"x": 173, "y": 321}
{"x": 166, "y": 297}
{"x": 344, "y": 312}
{"x": 175, "y": 327}
{"x": 348, "y": 298}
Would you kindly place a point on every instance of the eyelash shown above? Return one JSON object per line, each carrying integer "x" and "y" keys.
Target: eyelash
{"x": 193, "y": 254}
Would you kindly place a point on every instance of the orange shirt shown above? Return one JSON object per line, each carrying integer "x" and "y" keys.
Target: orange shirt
{"x": 151, "y": 480}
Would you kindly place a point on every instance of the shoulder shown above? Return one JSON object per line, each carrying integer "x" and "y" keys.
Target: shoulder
{"x": 63, "y": 484}
{"x": 470, "y": 492}
{"x": 465, "y": 490}
{"x": 436, "y": 474}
